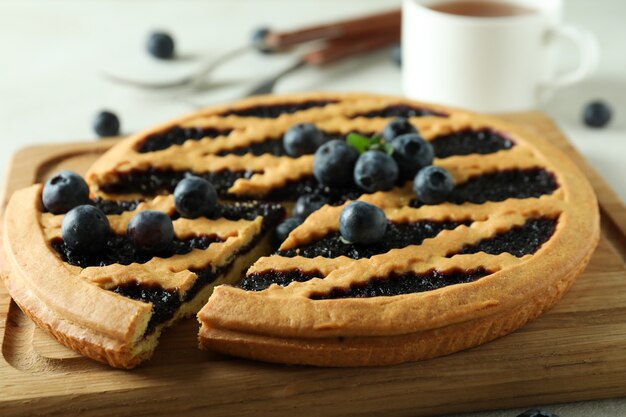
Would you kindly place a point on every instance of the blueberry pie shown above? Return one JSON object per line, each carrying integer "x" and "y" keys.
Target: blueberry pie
{"x": 415, "y": 231}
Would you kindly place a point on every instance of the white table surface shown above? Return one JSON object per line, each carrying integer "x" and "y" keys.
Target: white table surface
{"x": 52, "y": 54}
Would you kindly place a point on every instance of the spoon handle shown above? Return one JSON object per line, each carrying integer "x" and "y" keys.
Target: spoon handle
{"x": 338, "y": 49}
{"x": 345, "y": 28}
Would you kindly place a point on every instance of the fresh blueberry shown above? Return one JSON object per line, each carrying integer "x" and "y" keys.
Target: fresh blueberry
{"x": 398, "y": 126}
{"x": 375, "y": 171}
{"x": 106, "y": 123}
{"x": 258, "y": 40}
{"x": 396, "y": 55}
{"x": 161, "y": 45}
{"x": 194, "y": 197}
{"x": 411, "y": 153}
{"x": 333, "y": 164}
{"x": 302, "y": 139}
{"x": 286, "y": 227}
{"x": 307, "y": 204}
{"x": 64, "y": 191}
{"x": 433, "y": 185}
{"x": 597, "y": 114}
{"x": 362, "y": 222}
{"x": 85, "y": 229}
{"x": 151, "y": 231}
{"x": 537, "y": 413}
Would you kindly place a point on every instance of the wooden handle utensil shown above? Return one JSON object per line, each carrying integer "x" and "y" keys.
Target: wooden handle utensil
{"x": 345, "y": 28}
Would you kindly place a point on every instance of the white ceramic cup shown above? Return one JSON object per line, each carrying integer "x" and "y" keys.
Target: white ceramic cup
{"x": 489, "y": 64}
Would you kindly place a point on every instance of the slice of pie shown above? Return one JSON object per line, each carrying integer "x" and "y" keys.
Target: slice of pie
{"x": 112, "y": 305}
{"x": 517, "y": 229}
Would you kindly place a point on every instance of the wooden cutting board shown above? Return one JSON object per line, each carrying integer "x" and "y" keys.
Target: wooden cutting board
{"x": 577, "y": 351}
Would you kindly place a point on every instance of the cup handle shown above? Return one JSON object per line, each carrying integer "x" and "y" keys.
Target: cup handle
{"x": 588, "y": 56}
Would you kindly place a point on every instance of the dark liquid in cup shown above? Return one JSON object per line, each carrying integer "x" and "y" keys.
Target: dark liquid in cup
{"x": 482, "y": 8}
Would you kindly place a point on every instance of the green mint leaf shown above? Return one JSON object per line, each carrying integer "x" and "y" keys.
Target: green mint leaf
{"x": 359, "y": 142}
{"x": 363, "y": 143}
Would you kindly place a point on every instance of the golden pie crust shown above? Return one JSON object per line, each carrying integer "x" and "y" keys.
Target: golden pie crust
{"x": 286, "y": 324}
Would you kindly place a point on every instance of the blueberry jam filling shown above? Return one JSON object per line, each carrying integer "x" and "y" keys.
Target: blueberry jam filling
{"x": 397, "y": 235}
{"x": 177, "y": 136}
{"x": 275, "y": 146}
{"x": 271, "y": 146}
{"x": 272, "y": 111}
{"x": 272, "y": 213}
{"x": 154, "y": 181}
{"x": 468, "y": 142}
{"x": 400, "y": 110}
{"x": 115, "y": 207}
{"x": 501, "y": 185}
{"x": 165, "y": 303}
{"x": 120, "y": 250}
{"x": 309, "y": 185}
{"x": 498, "y": 186}
{"x": 403, "y": 283}
{"x": 259, "y": 281}
{"x": 519, "y": 241}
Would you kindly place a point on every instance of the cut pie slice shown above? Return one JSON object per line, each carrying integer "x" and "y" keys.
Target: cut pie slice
{"x": 112, "y": 306}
